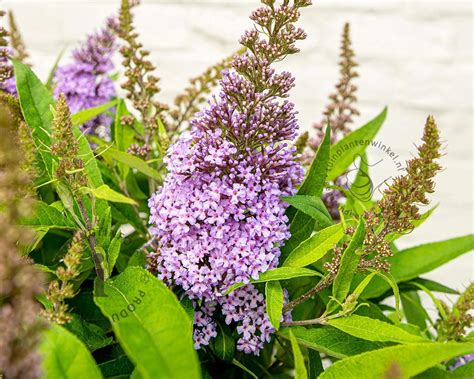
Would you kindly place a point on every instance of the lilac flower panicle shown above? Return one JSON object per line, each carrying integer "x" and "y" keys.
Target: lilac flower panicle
{"x": 219, "y": 218}
{"x": 86, "y": 82}
{"x": 9, "y": 84}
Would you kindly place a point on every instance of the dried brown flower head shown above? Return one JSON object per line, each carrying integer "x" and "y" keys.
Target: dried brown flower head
{"x": 459, "y": 319}
{"x": 62, "y": 289}
{"x": 340, "y": 111}
{"x": 65, "y": 147}
{"x": 401, "y": 201}
{"x": 6, "y": 69}
{"x": 301, "y": 143}
{"x": 141, "y": 84}
{"x": 19, "y": 281}
{"x": 16, "y": 40}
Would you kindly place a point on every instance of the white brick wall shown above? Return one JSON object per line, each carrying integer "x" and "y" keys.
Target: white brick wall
{"x": 415, "y": 57}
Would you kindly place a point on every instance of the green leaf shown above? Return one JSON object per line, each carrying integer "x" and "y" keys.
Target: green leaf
{"x": 223, "y": 345}
{"x": 414, "y": 311}
{"x": 123, "y": 135}
{"x": 52, "y": 72}
{"x": 274, "y": 302}
{"x": 126, "y": 214}
{"x": 411, "y": 359}
{"x": 104, "y": 192}
{"x": 331, "y": 341}
{"x": 132, "y": 162}
{"x": 48, "y": 216}
{"x": 90, "y": 162}
{"x": 103, "y": 234}
{"x": 373, "y": 330}
{"x": 235, "y": 362}
{"x": 316, "y": 177}
{"x": 360, "y": 191}
{"x": 91, "y": 335}
{"x": 430, "y": 284}
{"x": 113, "y": 252}
{"x": 300, "y": 231}
{"x": 38, "y": 233}
{"x": 36, "y": 103}
{"x": 315, "y": 365}
{"x": 144, "y": 312}
{"x": 390, "y": 281}
{"x": 315, "y": 247}
{"x": 300, "y": 368}
{"x": 441, "y": 309}
{"x": 364, "y": 283}
{"x": 344, "y": 152}
{"x": 348, "y": 266}
{"x": 117, "y": 368}
{"x": 411, "y": 263}
{"x": 302, "y": 225}
{"x": 65, "y": 356}
{"x": 312, "y": 206}
{"x": 280, "y": 273}
{"x": 85, "y": 115}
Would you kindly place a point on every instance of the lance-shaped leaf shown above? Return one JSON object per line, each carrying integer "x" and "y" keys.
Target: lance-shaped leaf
{"x": 413, "y": 310}
{"x": 280, "y": 273}
{"x": 344, "y": 152}
{"x": 48, "y": 217}
{"x": 410, "y": 359}
{"x": 104, "y": 192}
{"x": 315, "y": 247}
{"x": 145, "y": 313}
{"x": 124, "y": 135}
{"x": 348, "y": 266}
{"x": 331, "y": 341}
{"x": 374, "y": 330}
{"x": 274, "y": 302}
{"x": 300, "y": 368}
{"x": 90, "y": 162}
{"x": 411, "y": 263}
{"x": 132, "y": 162}
{"x": 85, "y": 115}
{"x": 312, "y": 206}
{"x": 302, "y": 225}
{"x": 36, "y": 102}
{"x": 223, "y": 345}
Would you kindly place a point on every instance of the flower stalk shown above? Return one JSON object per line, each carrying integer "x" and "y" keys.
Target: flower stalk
{"x": 394, "y": 213}
{"x": 63, "y": 288}
{"x": 70, "y": 170}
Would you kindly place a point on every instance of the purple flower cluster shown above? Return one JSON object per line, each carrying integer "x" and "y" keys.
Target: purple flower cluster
{"x": 244, "y": 306}
{"x": 219, "y": 218}
{"x": 86, "y": 82}
{"x": 7, "y": 85}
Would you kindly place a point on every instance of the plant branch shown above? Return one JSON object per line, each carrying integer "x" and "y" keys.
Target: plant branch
{"x": 91, "y": 240}
{"x": 322, "y": 284}
{"x": 320, "y": 320}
